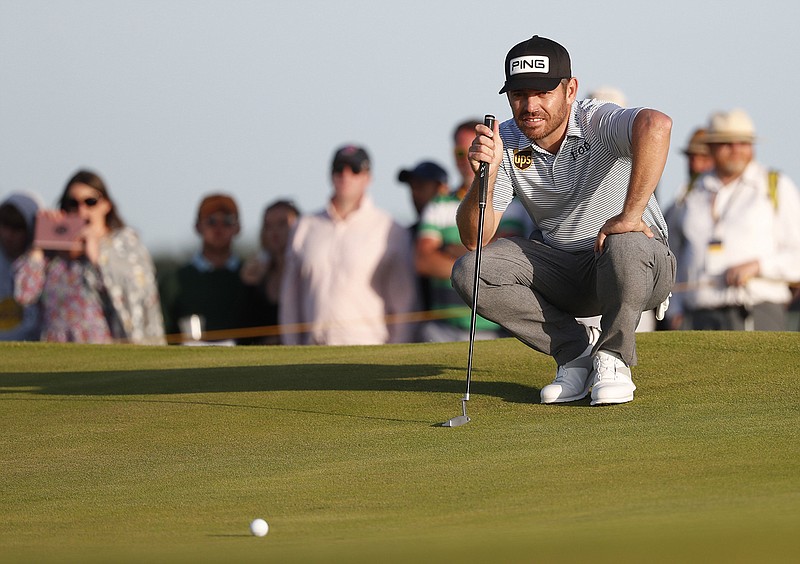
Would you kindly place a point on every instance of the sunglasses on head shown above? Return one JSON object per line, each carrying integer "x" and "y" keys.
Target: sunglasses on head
{"x": 357, "y": 168}
{"x": 227, "y": 221}
{"x": 74, "y": 204}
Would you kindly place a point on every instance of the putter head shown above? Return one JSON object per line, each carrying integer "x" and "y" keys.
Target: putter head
{"x": 462, "y": 419}
{"x": 456, "y": 421}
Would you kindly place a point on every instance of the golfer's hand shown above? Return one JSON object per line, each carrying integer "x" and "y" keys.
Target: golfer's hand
{"x": 487, "y": 147}
{"x": 619, "y": 224}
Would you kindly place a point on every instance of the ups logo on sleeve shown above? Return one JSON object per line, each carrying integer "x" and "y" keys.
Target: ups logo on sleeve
{"x": 523, "y": 158}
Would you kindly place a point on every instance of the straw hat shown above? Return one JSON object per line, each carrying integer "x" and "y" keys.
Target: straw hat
{"x": 697, "y": 143}
{"x": 731, "y": 127}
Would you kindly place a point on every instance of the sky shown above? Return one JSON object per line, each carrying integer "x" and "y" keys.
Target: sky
{"x": 169, "y": 100}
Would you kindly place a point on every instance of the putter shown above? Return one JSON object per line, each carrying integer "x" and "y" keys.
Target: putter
{"x": 483, "y": 173}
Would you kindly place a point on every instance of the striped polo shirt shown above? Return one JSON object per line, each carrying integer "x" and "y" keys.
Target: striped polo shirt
{"x": 572, "y": 193}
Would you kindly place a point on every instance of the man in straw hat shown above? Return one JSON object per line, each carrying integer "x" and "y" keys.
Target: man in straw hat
{"x": 739, "y": 236}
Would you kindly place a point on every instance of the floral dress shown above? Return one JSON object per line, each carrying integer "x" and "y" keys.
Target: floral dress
{"x": 70, "y": 295}
{"x": 114, "y": 300}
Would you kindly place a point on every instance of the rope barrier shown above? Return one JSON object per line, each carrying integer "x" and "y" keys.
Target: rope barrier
{"x": 411, "y": 317}
{"x": 288, "y": 329}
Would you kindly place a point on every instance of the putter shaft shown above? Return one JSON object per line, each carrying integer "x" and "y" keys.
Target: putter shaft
{"x": 488, "y": 121}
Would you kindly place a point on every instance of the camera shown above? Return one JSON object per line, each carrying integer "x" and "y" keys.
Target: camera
{"x": 58, "y": 234}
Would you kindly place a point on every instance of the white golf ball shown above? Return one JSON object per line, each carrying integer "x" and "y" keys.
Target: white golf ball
{"x": 259, "y": 527}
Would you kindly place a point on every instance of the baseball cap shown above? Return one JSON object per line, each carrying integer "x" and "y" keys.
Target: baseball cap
{"x": 425, "y": 170}
{"x": 353, "y": 156}
{"x": 730, "y": 127}
{"x": 214, "y": 203}
{"x": 536, "y": 64}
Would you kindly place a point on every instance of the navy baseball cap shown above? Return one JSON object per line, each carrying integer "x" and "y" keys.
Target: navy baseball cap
{"x": 426, "y": 170}
{"x": 536, "y": 64}
{"x": 353, "y": 156}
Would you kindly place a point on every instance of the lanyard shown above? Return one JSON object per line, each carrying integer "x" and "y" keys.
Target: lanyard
{"x": 716, "y": 218}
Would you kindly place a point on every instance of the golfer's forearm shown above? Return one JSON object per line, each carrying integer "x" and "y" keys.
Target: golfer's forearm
{"x": 650, "y": 148}
{"x": 469, "y": 213}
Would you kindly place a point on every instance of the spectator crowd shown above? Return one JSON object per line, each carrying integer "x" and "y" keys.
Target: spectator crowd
{"x": 349, "y": 274}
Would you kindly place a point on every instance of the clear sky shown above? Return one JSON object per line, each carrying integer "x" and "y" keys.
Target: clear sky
{"x": 172, "y": 99}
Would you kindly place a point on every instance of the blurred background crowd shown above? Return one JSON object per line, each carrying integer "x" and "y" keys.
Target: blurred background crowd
{"x": 348, "y": 272}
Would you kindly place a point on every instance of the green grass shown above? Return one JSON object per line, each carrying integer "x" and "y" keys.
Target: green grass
{"x": 122, "y": 453}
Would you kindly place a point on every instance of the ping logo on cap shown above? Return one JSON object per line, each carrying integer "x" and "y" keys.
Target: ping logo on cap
{"x": 529, "y": 63}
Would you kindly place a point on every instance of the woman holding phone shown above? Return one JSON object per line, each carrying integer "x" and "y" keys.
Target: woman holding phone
{"x": 103, "y": 288}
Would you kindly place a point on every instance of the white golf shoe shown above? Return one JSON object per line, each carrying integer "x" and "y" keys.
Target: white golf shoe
{"x": 612, "y": 381}
{"x": 573, "y": 379}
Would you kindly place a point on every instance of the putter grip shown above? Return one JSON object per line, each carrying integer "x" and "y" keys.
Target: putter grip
{"x": 483, "y": 173}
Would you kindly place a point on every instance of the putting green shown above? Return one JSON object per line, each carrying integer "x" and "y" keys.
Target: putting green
{"x": 166, "y": 454}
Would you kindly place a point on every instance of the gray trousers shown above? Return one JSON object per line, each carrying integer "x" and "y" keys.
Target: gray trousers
{"x": 535, "y": 291}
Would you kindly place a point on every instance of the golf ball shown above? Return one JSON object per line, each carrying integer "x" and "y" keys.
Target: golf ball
{"x": 259, "y": 527}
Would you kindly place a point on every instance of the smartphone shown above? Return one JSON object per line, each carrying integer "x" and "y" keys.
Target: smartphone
{"x": 63, "y": 234}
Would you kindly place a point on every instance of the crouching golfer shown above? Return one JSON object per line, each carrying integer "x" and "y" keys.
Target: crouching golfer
{"x": 586, "y": 171}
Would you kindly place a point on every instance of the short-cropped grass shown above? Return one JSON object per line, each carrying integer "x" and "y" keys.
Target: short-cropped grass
{"x": 137, "y": 454}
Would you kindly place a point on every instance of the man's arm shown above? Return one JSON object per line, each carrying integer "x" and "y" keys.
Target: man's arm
{"x": 649, "y": 149}
{"x": 487, "y": 147}
{"x": 289, "y": 304}
{"x": 433, "y": 260}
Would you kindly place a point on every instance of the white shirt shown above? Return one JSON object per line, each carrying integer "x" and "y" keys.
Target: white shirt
{"x": 343, "y": 276}
{"x": 744, "y": 220}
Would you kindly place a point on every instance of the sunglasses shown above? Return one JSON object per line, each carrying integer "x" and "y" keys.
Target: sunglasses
{"x": 356, "y": 168}
{"x": 460, "y": 153}
{"x": 227, "y": 221}
{"x": 73, "y": 204}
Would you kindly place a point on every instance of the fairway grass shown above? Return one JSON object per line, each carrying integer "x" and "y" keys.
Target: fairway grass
{"x": 165, "y": 454}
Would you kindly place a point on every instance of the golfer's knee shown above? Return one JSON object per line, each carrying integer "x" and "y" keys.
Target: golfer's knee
{"x": 624, "y": 270}
{"x": 626, "y": 246}
{"x": 462, "y": 275}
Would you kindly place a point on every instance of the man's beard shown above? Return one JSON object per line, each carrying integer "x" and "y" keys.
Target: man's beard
{"x": 732, "y": 169}
{"x": 552, "y": 123}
